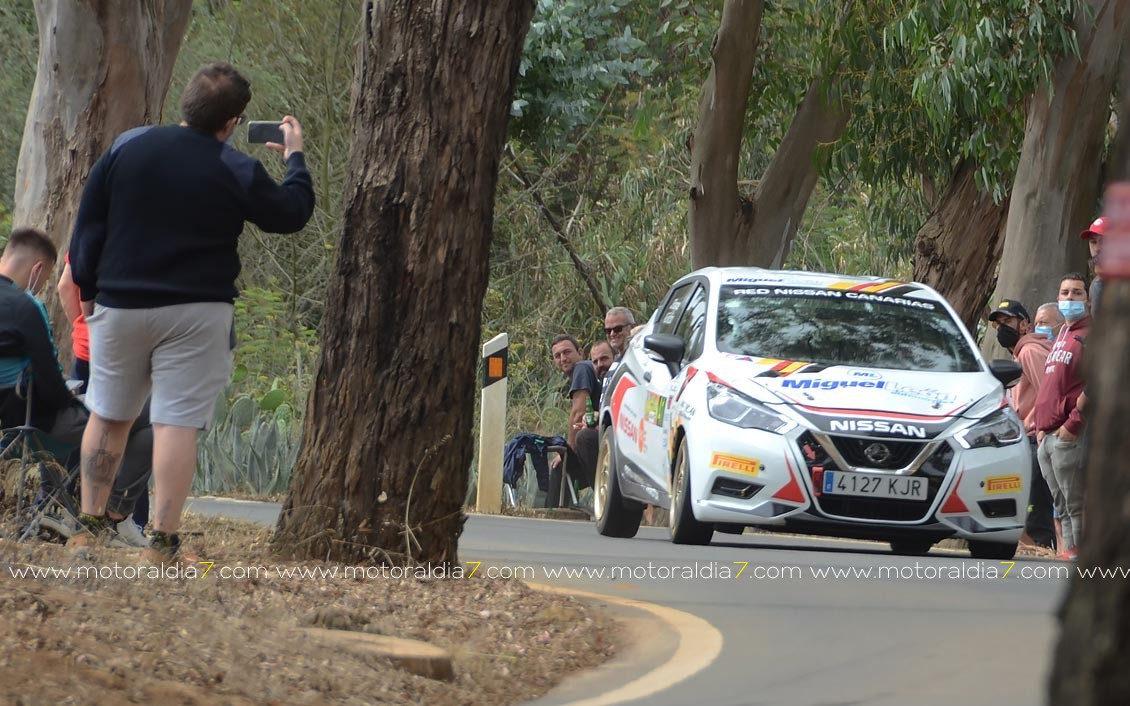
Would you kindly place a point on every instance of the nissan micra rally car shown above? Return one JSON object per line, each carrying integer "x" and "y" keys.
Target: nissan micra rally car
{"x": 823, "y": 404}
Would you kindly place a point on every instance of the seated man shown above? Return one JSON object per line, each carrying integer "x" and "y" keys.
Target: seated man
{"x": 27, "y": 345}
{"x": 584, "y": 397}
{"x": 602, "y": 357}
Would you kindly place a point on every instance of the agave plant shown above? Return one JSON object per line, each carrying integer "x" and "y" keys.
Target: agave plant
{"x": 251, "y": 448}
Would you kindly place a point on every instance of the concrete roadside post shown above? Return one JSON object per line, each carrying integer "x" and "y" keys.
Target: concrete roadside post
{"x": 492, "y": 424}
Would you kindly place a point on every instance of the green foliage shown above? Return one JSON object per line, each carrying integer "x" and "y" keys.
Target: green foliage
{"x": 576, "y": 55}
{"x": 949, "y": 80}
{"x": 18, "y": 55}
{"x": 251, "y": 448}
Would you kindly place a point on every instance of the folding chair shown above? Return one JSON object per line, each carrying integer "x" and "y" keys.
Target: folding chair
{"x": 55, "y": 502}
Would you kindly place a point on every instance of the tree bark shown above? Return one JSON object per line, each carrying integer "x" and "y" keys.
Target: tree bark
{"x": 719, "y": 215}
{"x": 957, "y": 250}
{"x": 726, "y": 227}
{"x": 382, "y": 473}
{"x": 1055, "y": 194}
{"x": 104, "y": 67}
{"x": 1118, "y": 162}
{"x": 1094, "y": 645}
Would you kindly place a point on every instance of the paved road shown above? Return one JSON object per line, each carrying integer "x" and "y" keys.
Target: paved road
{"x": 805, "y": 640}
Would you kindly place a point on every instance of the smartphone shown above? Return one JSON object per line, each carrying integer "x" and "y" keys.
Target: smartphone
{"x": 263, "y": 131}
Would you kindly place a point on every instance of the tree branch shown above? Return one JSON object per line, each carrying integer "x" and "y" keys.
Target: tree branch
{"x": 561, "y": 230}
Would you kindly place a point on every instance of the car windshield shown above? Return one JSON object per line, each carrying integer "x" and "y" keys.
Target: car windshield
{"x": 831, "y": 327}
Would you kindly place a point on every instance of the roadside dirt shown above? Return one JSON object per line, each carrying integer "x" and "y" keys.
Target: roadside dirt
{"x": 214, "y": 640}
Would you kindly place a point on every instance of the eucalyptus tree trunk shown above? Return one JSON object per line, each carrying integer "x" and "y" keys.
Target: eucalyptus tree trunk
{"x": 104, "y": 67}
{"x": 958, "y": 248}
{"x": 1055, "y": 193}
{"x": 726, "y": 226}
{"x": 382, "y": 473}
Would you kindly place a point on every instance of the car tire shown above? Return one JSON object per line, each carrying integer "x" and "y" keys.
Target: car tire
{"x": 911, "y": 547}
{"x": 615, "y": 515}
{"x": 992, "y": 550}
{"x": 685, "y": 529}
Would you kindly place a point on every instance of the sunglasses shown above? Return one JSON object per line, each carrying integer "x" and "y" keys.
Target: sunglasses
{"x": 616, "y": 329}
{"x": 241, "y": 119}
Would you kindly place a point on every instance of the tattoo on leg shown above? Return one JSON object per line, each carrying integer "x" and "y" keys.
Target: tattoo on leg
{"x": 100, "y": 466}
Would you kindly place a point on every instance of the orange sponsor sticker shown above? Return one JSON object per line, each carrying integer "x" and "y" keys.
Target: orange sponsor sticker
{"x": 1003, "y": 484}
{"x": 739, "y": 464}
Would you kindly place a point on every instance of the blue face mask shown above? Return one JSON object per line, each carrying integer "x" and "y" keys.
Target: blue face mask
{"x": 1073, "y": 310}
{"x": 1045, "y": 331}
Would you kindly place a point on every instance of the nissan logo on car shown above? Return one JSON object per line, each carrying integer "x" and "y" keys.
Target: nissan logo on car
{"x": 879, "y": 427}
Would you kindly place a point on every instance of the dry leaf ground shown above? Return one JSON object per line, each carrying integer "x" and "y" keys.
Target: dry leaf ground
{"x": 213, "y": 640}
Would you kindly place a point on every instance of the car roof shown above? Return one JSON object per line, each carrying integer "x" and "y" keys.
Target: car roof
{"x": 821, "y": 280}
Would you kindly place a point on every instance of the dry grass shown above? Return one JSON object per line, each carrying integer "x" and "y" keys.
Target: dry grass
{"x": 228, "y": 641}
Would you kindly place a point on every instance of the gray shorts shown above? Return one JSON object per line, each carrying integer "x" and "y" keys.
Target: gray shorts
{"x": 180, "y": 354}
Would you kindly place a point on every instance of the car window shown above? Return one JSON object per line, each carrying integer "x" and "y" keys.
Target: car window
{"x": 831, "y": 327}
{"x": 692, "y": 325}
{"x": 670, "y": 314}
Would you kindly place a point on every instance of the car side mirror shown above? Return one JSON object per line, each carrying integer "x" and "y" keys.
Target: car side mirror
{"x": 1007, "y": 371}
{"x": 665, "y": 348}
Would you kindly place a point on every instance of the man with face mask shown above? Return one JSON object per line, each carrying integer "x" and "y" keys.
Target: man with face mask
{"x": 1030, "y": 349}
{"x": 27, "y": 349}
{"x": 1058, "y": 419}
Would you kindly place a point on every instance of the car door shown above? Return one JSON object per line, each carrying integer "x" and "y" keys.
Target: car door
{"x": 663, "y": 385}
{"x": 631, "y": 406}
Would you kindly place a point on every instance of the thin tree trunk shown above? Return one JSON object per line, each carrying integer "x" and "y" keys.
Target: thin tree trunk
{"x": 382, "y": 473}
{"x": 718, "y": 213}
{"x": 1055, "y": 193}
{"x": 104, "y": 67}
{"x": 786, "y": 186}
{"x": 957, "y": 250}
{"x": 726, "y": 227}
{"x": 1089, "y": 668}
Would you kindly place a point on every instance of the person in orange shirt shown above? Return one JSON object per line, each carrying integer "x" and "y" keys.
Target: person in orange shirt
{"x": 80, "y": 345}
{"x": 1030, "y": 345}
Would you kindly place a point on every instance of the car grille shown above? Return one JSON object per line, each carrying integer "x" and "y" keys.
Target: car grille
{"x": 900, "y": 453}
{"x": 933, "y": 470}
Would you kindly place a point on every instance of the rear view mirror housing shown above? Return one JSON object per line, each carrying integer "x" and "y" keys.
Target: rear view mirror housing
{"x": 665, "y": 348}
{"x": 1007, "y": 371}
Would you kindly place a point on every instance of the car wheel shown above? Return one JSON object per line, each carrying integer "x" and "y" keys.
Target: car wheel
{"x": 911, "y": 547}
{"x": 615, "y": 515}
{"x": 685, "y": 529}
{"x": 992, "y": 550}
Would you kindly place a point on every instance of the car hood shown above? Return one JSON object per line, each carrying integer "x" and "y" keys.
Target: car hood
{"x": 834, "y": 398}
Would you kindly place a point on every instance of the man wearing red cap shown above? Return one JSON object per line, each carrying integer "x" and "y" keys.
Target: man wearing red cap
{"x": 1094, "y": 237}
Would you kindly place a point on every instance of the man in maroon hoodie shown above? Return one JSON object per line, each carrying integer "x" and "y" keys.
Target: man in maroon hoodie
{"x": 1059, "y": 422}
{"x": 1030, "y": 348}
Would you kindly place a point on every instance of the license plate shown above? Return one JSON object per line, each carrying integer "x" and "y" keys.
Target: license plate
{"x": 873, "y": 485}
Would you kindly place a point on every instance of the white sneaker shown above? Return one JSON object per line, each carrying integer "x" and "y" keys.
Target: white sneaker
{"x": 129, "y": 534}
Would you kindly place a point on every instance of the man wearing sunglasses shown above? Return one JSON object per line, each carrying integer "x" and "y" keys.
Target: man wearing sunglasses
{"x": 618, "y": 323}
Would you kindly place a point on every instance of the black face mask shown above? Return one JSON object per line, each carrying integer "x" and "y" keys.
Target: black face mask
{"x": 1007, "y": 336}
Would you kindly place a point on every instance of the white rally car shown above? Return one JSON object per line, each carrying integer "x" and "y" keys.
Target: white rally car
{"x": 824, "y": 404}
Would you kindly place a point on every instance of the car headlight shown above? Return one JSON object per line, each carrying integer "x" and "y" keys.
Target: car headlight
{"x": 730, "y": 406}
{"x": 1001, "y": 428}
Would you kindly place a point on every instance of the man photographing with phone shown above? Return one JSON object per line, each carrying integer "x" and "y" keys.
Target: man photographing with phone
{"x": 155, "y": 255}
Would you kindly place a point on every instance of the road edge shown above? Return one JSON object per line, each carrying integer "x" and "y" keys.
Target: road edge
{"x": 700, "y": 643}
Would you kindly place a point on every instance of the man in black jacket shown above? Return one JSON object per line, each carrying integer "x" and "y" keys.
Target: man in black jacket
{"x": 27, "y": 353}
{"x": 155, "y": 256}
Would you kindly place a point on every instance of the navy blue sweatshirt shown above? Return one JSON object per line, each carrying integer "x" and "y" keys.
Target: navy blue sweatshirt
{"x": 161, "y": 215}
{"x": 26, "y": 342}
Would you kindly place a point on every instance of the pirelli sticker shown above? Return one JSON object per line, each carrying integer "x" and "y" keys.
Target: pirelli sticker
{"x": 995, "y": 485}
{"x": 736, "y": 464}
